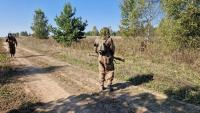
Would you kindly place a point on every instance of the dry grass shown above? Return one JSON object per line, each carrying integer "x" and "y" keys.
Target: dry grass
{"x": 12, "y": 93}
{"x": 175, "y": 73}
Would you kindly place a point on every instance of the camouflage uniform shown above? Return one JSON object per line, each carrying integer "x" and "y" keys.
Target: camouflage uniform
{"x": 105, "y": 60}
{"x": 12, "y": 42}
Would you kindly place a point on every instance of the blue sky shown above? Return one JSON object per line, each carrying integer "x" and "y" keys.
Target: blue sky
{"x": 17, "y": 15}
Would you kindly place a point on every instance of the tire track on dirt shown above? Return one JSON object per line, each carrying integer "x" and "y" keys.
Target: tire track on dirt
{"x": 125, "y": 100}
{"x": 75, "y": 85}
{"x": 86, "y": 79}
{"x": 37, "y": 81}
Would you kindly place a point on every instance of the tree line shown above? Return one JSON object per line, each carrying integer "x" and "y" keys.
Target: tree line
{"x": 22, "y": 33}
{"x": 95, "y": 32}
{"x": 69, "y": 27}
{"x": 179, "y": 27}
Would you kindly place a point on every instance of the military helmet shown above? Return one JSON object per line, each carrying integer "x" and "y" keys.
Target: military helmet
{"x": 105, "y": 33}
{"x": 9, "y": 34}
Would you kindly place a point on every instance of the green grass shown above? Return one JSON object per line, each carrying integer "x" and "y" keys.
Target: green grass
{"x": 175, "y": 73}
{"x": 79, "y": 62}
{"x": 3, "y": 58}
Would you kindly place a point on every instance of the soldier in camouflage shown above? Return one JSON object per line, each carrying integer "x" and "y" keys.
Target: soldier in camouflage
{"x": 105, "y": 48}
{"x": 12, "y": 43}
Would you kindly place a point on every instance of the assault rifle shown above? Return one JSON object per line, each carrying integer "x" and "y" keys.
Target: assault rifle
{"x": 115, "y": 58}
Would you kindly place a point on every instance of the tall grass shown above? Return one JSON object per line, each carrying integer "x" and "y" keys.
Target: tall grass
{"x": 175, "y": 73}
{"x": 4, "y": 60}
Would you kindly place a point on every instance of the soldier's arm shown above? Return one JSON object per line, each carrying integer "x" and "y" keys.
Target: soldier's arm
{"x": 112, "y": 46}
{"x": 96, "y": 46}
{"x": 15, "y": 41}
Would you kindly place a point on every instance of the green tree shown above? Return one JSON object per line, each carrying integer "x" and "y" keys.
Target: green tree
{"x": 130, "y": 14}
{"x": 70, "y": 28}
{"x": 88, "y": 33}
{"x": 16, "y": 34}
{"x": 95, "y": 31}
{"x": 138, "y": 15}
{"x": 40, "y": 25}
{"x": 150, "y": 9}
{"x": 184, "y": 17}
{"x": 117, "y": 33}
{"x": 23, "y": 33}
{"x": 111, "y": 31}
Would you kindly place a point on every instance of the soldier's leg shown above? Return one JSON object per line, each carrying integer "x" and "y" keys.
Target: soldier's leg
{"x": 14, "y": 51}
{"x": 110, "y": 78}
{"x": 101, "y": 76}
{"x": 102, "y": 80}
{"x": 10, "y": 51}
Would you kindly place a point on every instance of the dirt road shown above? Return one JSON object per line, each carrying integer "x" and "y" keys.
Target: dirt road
{"x": 64, "y": 88}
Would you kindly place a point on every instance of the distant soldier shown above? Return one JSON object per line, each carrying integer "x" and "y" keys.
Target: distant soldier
{"x": 12, "y": 42}
{"x": 143, "y": 46}
{"x": 105, "y": 48}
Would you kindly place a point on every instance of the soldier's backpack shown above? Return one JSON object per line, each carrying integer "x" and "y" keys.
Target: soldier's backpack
{"x": 11, "y": 40}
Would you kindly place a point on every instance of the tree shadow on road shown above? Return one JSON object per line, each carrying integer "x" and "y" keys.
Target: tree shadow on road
{"x": 20, "y": 70}
{"x": 114, "y": 103}
{"x": 190, "y": 94}
{"x": 27, "y": 107}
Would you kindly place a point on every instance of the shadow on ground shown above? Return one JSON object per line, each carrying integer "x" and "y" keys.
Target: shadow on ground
{"x": 190, "y": 94}
{"x": 116, "y": 102}
{"x": 140, "y": 79}
{"x": 112, "y": 103}
{"x": 136, "y": 80}
{"x": 21, "y": 70}
{"x": 26, "y": 108}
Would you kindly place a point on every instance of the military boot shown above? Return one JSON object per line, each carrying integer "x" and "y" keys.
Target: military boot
{"x": 110, "y": 88}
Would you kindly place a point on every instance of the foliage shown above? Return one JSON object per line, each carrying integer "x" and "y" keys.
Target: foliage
{"x": 16, "y": 34}
{"x": 149, "y": 11}
{"x": 137, "y": 16}
{"x": 184, "y": 17}
{"x": 116, "y": 33}
{"x": 130, "y": 14}
{"x": 70, "y": 28}
{"x": 88, "y": 33}
{"x": 40, "y": 25}
{"x": 95, "y": 31}
{"x": 23, "y": 33}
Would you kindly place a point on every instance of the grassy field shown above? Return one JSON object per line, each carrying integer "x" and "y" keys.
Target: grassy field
{"x": 174, "y": 73}
{"x": 12, "y": 93}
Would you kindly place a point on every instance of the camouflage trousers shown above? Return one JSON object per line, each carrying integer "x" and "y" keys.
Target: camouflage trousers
{"x": 12, "y": 49}
{"x": 106, "y": 74}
